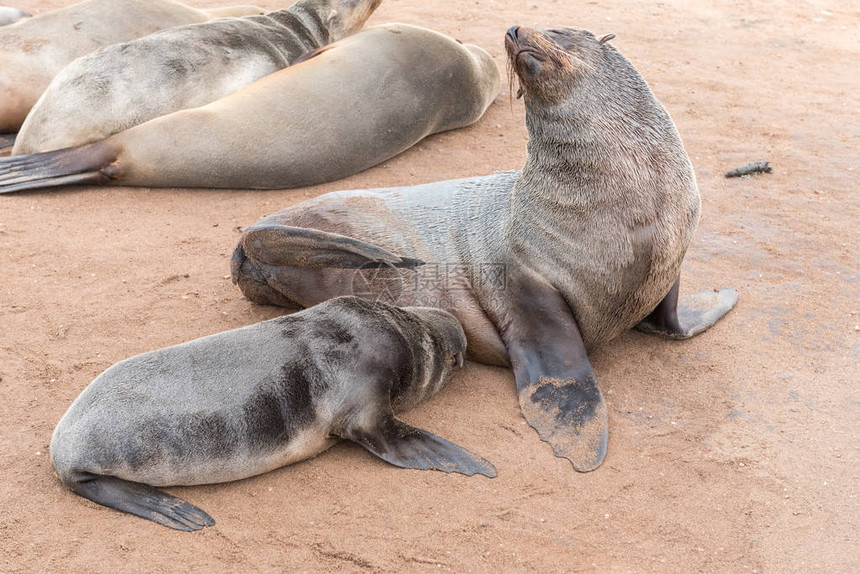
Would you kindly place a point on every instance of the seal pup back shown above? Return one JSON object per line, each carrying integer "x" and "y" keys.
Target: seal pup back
{"x": 354, "y": 104}
{"x": 124, "y": 85}
{"x": 549, "y": 263}
{"x": 34, "y": 50}
{"x": 247, "y": 401}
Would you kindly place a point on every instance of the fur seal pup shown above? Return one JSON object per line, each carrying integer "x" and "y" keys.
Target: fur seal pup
{"x": 33, "y": 51}
{"x": 11, "y": 15}
{"x": 540, "y": 266}
{"x": 123, "y": 85}
{"x": 247, "y": 401}
{"x": 355, "y": 103}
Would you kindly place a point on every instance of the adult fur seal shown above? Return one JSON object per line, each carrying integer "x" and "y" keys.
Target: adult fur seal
{"x": 11, "y": 15}
{"x": 354, "y": 104}
{"x": 247, "y": 401}
{"x": 123, "y": 85}
{"x": 33, "y": 51}
{"x": 540, "y": 266}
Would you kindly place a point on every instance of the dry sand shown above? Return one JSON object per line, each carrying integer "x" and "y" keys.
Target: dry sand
{"x": 732, "y": 452}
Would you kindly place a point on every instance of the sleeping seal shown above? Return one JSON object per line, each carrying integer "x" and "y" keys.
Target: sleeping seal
{"x": 540, "y": 266}
{"x": 247, "y": 401}
{"x": 33, "y": 51}
{"x": 11, "y": 15}
{"x": 123, "y": 85}
{"x": 355, "y": 103}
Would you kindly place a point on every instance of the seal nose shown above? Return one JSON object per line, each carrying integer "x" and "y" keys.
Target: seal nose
{"x": 513, "y": 32}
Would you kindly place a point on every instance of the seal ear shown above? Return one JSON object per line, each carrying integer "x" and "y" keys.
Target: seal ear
{"x": 605, "y": 38}
{"x": 331, "y": 16}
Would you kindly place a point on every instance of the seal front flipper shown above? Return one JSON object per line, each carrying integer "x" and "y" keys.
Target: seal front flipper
{"x": 88, "y": 164}
{"x": 141, "y": 500}
{"x": 674, "y": 319}
{"x": 280, "y": 245}
{"x": 405, "y": 446}
{"x": 557, "y": 389}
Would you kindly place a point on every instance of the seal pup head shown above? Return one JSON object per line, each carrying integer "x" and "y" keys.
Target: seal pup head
{"x": 438, "y": 344}
{"x": 347, "y": 16}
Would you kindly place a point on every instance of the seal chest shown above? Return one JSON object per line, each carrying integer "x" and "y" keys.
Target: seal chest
{"x": 246, "y": 401}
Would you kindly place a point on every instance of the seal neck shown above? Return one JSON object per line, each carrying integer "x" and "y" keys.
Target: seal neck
{"x": 306, "y": 22}
{"x": 606, "y": 151}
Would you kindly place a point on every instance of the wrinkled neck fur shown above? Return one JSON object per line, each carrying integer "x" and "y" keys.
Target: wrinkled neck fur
{"x": 425, "y": 375}
{"x": 606, "y": 140}
{"x": 306, "y": 21}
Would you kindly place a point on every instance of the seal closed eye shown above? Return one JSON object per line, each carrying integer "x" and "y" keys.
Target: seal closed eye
{"x": 243, "y": 402}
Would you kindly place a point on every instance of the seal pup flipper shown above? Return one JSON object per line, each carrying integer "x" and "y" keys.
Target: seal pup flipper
{"x": 281, "y": 245}
{"x": 674, "y": 319}
{"x": 557, "y": 389}
{"x": 88, "y": 164}
{"x": 142, "y": 500}
{"x": 405, "y": 446}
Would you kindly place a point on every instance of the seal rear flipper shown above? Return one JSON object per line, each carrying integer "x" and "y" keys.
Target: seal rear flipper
{"x": 142, "y": 500}
{"x": 281, "y": 245}
{"x": 87, "y": 164}
{"x": 408, "y": 447}
{"x": 693, "y": 314}
{"x": 557, "y": 389}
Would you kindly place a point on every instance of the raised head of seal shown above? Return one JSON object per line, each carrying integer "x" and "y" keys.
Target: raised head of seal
{"x": 540, "y": 266}
{"x": 246, "y": 401}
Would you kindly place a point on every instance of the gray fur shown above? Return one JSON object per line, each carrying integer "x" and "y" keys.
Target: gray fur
{"x": 123, "y": 85}
{"x": 33, "y": 51}
{"x": 11, "y": 15}
{"x": 358, "y": 102}
{"x": 246, "y": 401}
{"x": 583, "y": 230}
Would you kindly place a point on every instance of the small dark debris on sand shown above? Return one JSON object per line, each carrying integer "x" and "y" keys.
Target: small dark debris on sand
{"x": 750, "y": 168}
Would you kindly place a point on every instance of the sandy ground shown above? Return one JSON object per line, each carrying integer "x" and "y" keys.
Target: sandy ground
{"x": 736, "y": 451}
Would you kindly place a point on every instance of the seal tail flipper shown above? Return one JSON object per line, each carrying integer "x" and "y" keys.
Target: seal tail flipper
{"x": 281, "y": 245}
{"x": 689, "y": 316}
{"x": 557, "y": 389}
{"x": 408, "y": 447}
{"x": 87, "y": 164}
{"x": 141, "y": 500}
